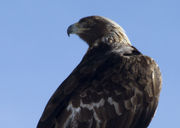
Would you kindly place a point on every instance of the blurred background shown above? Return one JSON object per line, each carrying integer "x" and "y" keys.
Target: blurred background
{"x": 36, "y": 54}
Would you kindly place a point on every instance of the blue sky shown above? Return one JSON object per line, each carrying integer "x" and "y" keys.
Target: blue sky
{"x": 36, "y": 54}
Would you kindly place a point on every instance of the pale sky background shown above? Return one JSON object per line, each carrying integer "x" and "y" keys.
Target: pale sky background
{"x": 36, "y": 54}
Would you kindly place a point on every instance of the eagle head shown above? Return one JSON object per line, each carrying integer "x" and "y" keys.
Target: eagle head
{"x": 98, "y": 29}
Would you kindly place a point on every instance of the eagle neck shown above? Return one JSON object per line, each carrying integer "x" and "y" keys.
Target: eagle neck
{"x": 113, "y": 40}
{"x": 104, "y": 46}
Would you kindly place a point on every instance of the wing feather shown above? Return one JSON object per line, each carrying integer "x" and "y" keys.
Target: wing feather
{"x": 106, "y": 91}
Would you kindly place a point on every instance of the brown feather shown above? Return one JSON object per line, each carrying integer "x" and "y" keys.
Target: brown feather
{"x": 114, "y": 86}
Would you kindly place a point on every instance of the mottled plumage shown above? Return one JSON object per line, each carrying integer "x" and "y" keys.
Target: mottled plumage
{"x": 114, "y": 86}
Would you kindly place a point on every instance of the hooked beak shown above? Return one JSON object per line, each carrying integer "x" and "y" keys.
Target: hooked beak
{"x": 73, "y": 29}
{"x": 76, "y": 29}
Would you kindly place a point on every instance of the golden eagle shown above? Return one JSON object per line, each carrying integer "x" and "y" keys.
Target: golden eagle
{"x": 114, "y": 86}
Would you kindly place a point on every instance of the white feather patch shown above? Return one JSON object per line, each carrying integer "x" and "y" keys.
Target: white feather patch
{"x": 116, "y": 105}
{"x": 77, "y": 110}
{"x": 124, "y": 49}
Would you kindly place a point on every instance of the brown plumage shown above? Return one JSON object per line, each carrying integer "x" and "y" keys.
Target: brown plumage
{"x": 114, "y": 86}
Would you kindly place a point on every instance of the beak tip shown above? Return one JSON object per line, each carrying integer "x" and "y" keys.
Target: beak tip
{"x": 70, "y": 30}
{"x": 68, "y": 34}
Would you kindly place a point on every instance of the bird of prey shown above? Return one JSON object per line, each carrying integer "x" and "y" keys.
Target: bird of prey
{"x": 114, "y": 86}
